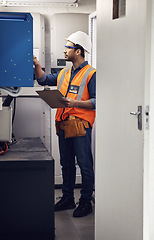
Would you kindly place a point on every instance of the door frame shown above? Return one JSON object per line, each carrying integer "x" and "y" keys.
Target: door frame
{"x": 149, "y": 133}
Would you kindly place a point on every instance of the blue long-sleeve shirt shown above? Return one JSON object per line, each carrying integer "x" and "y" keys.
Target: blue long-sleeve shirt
{"x": 51, "y": 80}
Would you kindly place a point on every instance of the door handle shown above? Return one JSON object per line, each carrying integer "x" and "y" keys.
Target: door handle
{"x": 139, "y": 116}
{"x": 135, "y": 113}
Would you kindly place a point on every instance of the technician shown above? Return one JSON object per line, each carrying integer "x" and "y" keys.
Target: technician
{"x": 74, "y": 122}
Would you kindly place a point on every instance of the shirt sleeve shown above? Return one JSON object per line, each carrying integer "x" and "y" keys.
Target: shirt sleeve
{"x": 92, "y": 90}
{"x": 48, "y": 79}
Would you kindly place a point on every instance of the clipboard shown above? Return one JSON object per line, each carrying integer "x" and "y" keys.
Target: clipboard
{"x": 52, "y": 98}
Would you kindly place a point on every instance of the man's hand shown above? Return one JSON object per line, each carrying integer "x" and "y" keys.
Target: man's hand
{"x": 69, "y": 102}
{"x": 38, "y": 70}
{"x": 35, "y": 61}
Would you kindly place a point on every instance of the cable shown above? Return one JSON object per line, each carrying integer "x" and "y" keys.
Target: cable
{"x": 12, "y": 91}
{"x": 3, "y": 148}
{"x": 7, "y": 101}
{"x": 14, "y": 110}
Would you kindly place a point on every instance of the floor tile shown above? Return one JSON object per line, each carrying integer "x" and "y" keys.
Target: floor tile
{"x": 64, "y": 228}
{"x": 69, "y": 228}
{"x": 86, "y": 233}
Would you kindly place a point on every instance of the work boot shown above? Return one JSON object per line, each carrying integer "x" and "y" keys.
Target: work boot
{"x": 65, "y": 203}
{"x": 84, "y": 208}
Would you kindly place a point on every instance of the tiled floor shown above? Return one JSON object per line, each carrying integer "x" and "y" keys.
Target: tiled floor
{"x": 70, "y": 228}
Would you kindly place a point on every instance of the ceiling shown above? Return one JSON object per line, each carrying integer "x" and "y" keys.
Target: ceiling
{"x": 46, "y": 1}
{"x": 38, "y": 2}
{"x": 51, "y": 3}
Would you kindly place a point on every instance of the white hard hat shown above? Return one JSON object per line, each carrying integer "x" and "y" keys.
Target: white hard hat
{"x": 80, "y": 38}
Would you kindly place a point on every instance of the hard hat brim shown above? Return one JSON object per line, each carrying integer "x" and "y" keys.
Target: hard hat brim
{"x": 67, "y": 39}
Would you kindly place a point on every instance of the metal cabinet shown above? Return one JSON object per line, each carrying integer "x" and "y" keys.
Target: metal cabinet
{"x": 16, "y": 48}
{"x": 27, "y": 192}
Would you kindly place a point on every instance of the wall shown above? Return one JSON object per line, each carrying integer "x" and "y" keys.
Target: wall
{"x": 62, "y": 25}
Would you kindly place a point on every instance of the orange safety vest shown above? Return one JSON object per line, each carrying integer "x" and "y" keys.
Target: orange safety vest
{"x": 78, "y": 90}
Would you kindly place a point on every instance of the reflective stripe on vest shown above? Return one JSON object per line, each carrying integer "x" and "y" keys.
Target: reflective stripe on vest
{"x": 62, "y": 79}
{"x": 83, "y": 83}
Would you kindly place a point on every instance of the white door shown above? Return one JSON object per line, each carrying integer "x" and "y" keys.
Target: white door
{"x": 123, "y": 55}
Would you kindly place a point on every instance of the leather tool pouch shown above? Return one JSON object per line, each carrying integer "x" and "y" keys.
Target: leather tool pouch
{"x": 73, "y": 128}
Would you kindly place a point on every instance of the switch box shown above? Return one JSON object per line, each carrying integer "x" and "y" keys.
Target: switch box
{"x": 61, "y": 62}
{"x": 16, "y": 49}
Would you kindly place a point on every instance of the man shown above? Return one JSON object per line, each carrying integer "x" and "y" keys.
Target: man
{"x": 78, "y": 85}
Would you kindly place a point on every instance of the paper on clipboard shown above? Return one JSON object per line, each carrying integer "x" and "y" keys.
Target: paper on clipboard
{"x": 52, "y": 98}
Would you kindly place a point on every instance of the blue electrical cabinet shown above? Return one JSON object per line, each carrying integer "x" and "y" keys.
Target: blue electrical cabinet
{"x": 16, "y": 49}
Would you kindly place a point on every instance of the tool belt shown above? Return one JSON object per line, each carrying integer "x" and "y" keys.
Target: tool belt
{"x": 73, "y": 127}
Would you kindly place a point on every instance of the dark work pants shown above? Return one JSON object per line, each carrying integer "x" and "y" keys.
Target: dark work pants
{"x": 81, "y": 148}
